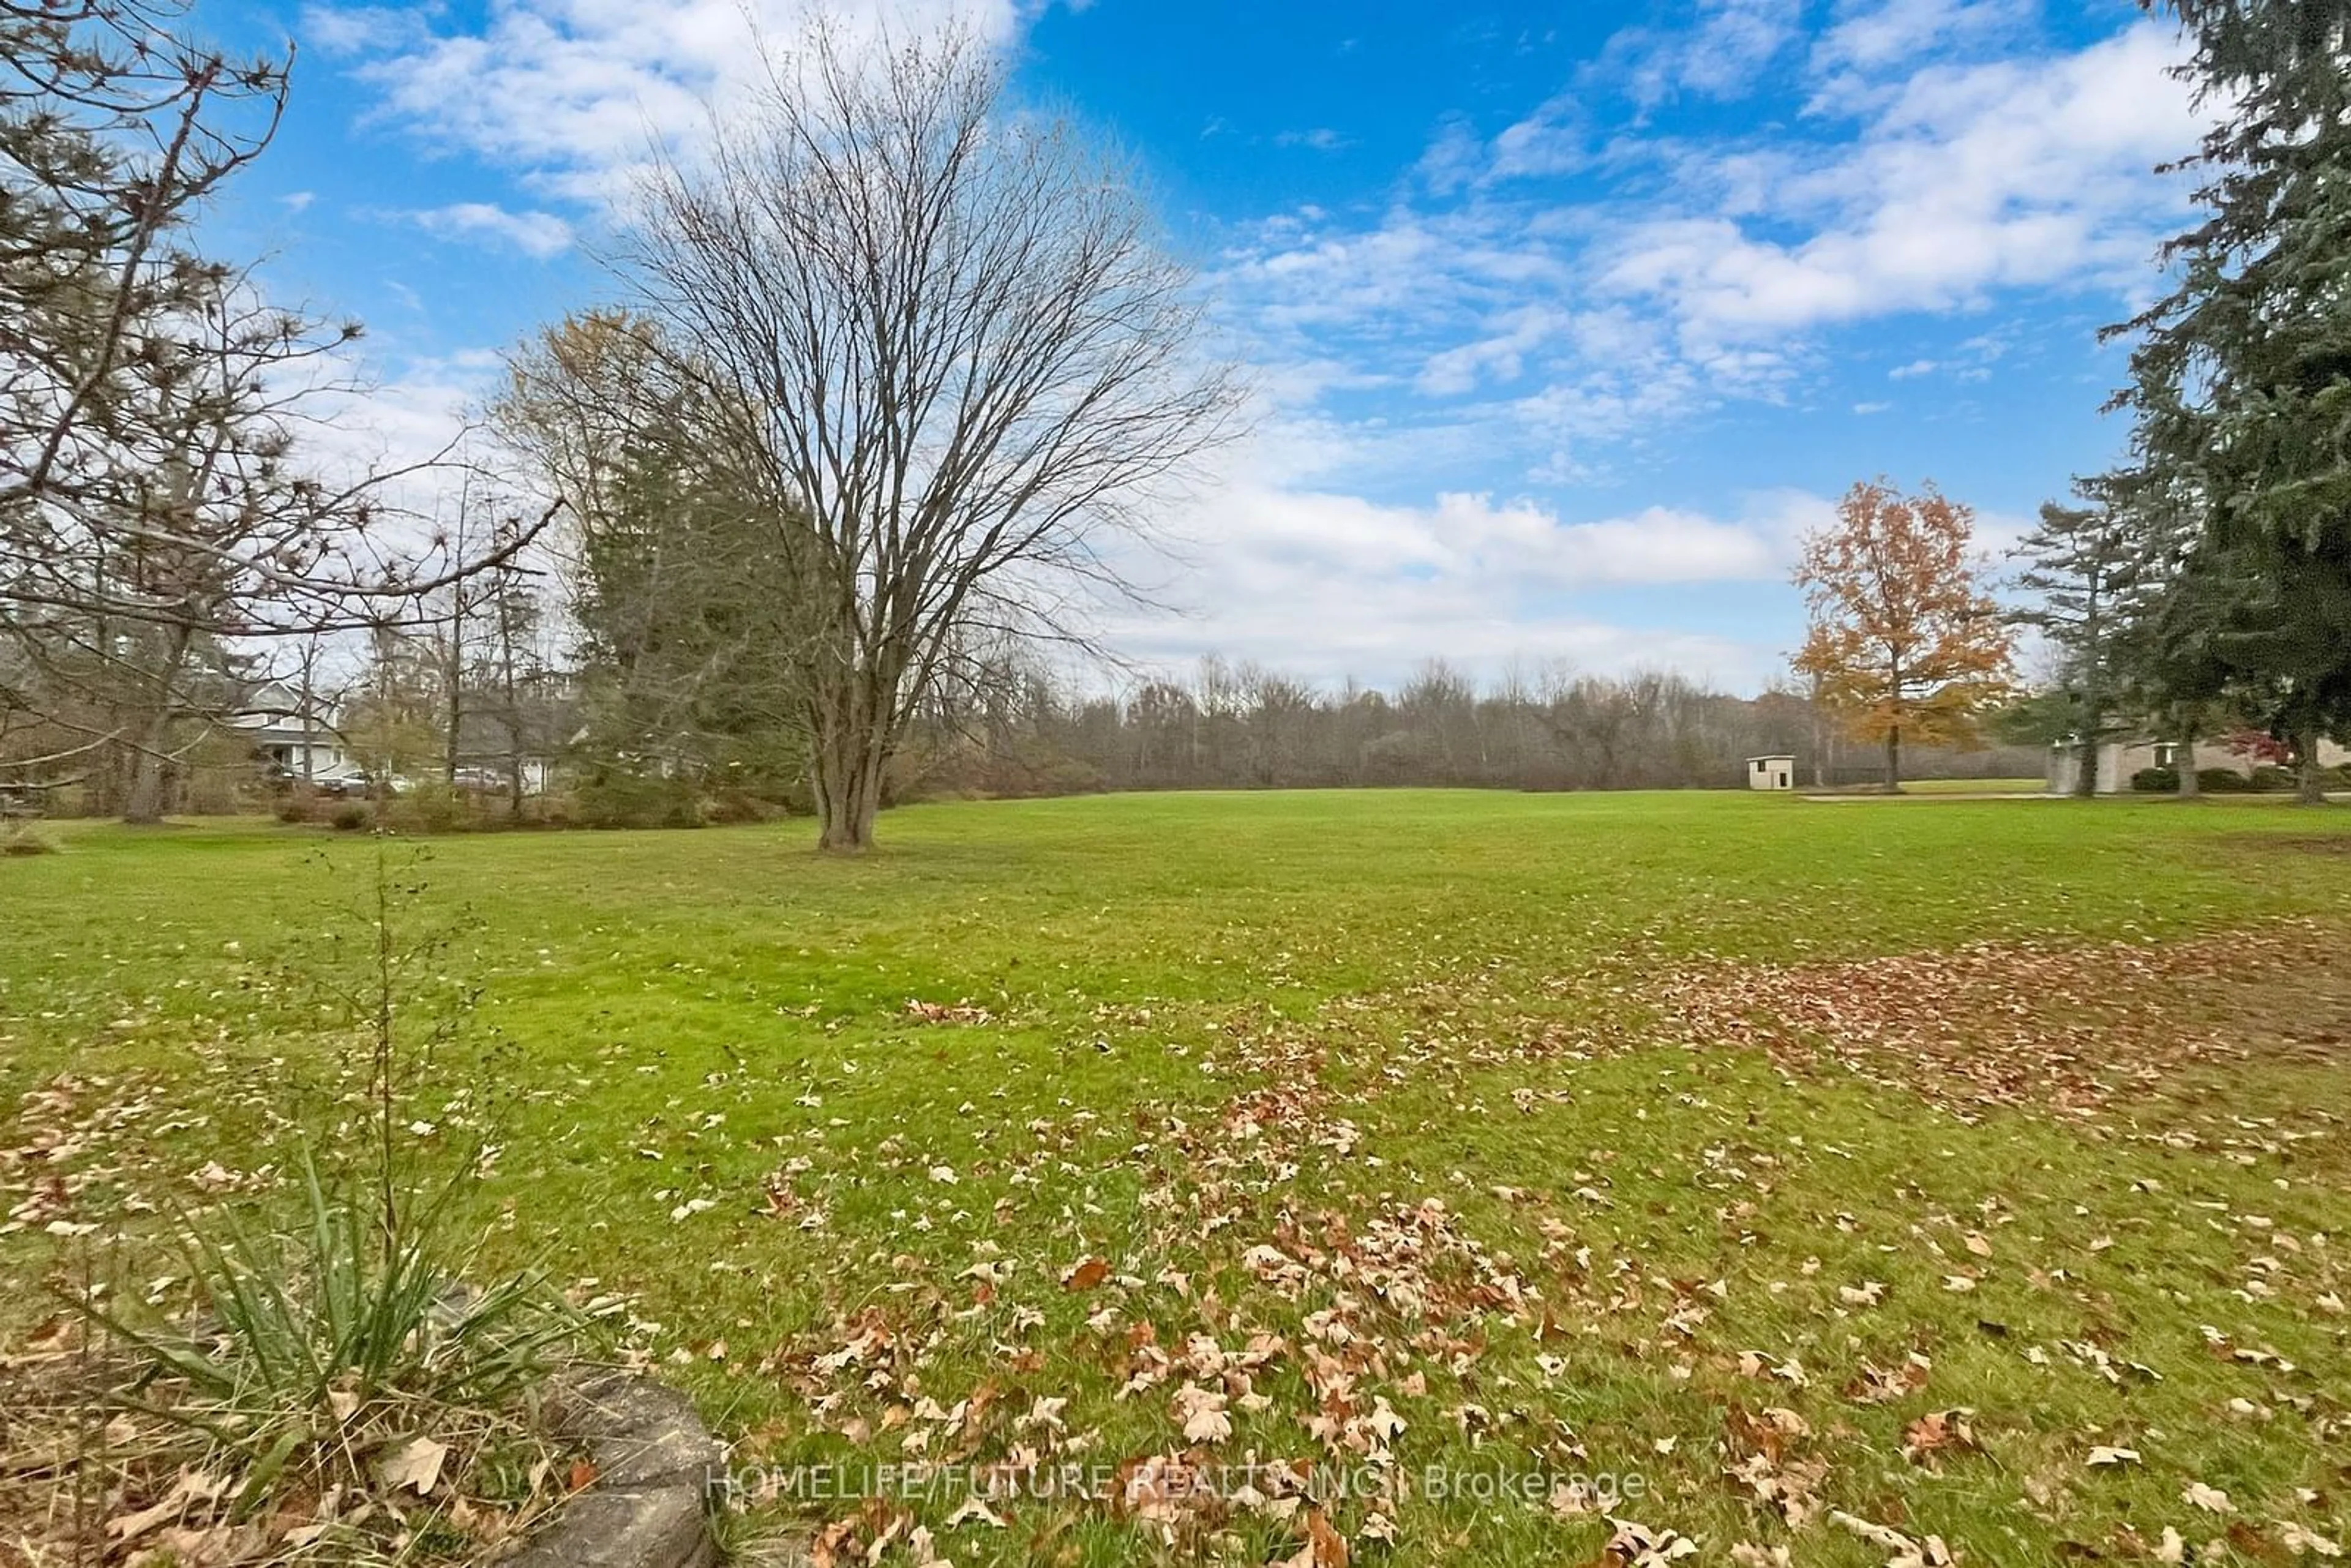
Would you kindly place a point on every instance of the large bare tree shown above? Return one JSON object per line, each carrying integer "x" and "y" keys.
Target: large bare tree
{"x": 946, "y": 349}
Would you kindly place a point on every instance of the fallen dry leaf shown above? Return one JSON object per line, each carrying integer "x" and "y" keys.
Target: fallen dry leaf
{"x": 1935, "y": 1432}
{"x": 415, "y": 1466}
{"x": 974, "y": 1511}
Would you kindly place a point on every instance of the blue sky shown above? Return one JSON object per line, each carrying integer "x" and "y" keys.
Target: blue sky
{"x": 1564, "y": 321}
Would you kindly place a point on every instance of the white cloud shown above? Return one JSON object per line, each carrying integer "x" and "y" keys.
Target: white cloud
{"x": 1282, "y": 563}
{"x": 2005, "y": 176}
{"x": 1456, "y": 156}
{"x": 1735, "y": 41}
{"x": 1871, "y": 34}
{"x": 1443, "y": 302}
{"x": 1464, "y": 538}
{"x": 1672, "y": 275}
{"x": 534, "y": 233}
{"x": 577, "y": 90}
{"x": 1997, "y": 534}
{"x": 1555, "y": 139}
{"x": 1328, "y": 585}
{"x": 363, "y": 419}
{"x": 352, "y": 29}
{"x": 1497, "y": 358}
{"x": 1721, "y": 56}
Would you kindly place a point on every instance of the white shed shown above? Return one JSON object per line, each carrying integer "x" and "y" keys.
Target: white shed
{"x": 1771, "y": 773}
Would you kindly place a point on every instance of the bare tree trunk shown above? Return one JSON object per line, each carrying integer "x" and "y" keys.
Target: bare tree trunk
{"x": 454, "y": 694}
{"x": 143, "y": 803}
{"x": 1815, "y": 711}
{"x": 2190, "y": 785}
{"x": 848, "y": 793}
{"x": 2310, "y": 778}
{"x": 513, "y": 774}
{"x": 511, "y": 693}
{"x": 2085, "y": 771}
{"x": 857, "y": 728}
{"x": 308, "y": 696}
{"x": 1897, "y": 691}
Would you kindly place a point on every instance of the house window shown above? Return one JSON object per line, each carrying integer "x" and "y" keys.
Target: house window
{"x": 2166, "y": 753}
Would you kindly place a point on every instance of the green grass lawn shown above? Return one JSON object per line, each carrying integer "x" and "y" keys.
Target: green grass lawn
{"x": 1373, "y": 1109}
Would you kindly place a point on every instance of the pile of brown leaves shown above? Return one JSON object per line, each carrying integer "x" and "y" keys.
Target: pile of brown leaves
{"x": 90, "y": 1472}
{"x": 2007, "y": 1024}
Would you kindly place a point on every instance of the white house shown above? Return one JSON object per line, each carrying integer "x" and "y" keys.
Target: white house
{"x": 295, "y": 742}
{"x": 1771, "y": 773}
{"x": 2119, "y": 760}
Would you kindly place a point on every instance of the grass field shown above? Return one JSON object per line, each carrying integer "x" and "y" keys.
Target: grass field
{"x": 1971, "y": 1169}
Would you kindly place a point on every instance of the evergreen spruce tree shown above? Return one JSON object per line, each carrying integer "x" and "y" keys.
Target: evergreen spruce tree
{"x": 2242, "y": 377}
{"x": 2082, "y": 561}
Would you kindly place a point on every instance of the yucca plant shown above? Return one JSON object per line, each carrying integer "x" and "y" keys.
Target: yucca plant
{"x": 330, "y": 1335}
{"x": 338, "y": 1332}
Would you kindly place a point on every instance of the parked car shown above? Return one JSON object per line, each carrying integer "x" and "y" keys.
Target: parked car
{"x": 356, "y": 783}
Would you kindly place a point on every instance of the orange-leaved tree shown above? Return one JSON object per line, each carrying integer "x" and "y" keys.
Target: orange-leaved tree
{"x": 1904, "y": 642}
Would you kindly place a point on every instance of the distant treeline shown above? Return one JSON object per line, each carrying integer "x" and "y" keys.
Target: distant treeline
{"x": 1240, "y": 725}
